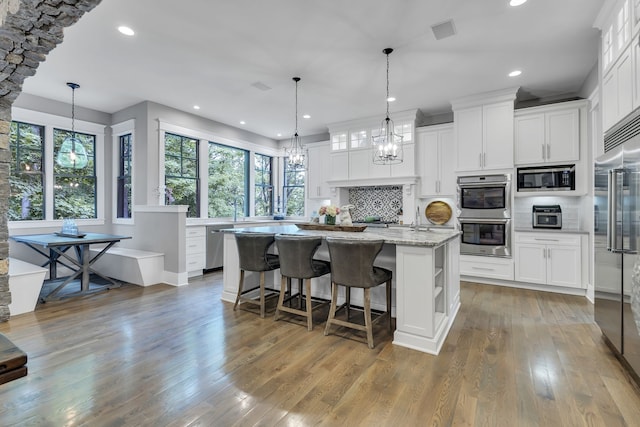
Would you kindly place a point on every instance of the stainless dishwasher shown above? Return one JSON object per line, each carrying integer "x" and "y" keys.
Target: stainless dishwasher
{"x": 215, "y": 246}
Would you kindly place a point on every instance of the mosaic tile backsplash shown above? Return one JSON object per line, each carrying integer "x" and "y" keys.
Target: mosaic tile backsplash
{"x": 384, "y": 202}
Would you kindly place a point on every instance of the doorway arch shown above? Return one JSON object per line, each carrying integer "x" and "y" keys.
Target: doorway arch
{"x": 29, "y": 30}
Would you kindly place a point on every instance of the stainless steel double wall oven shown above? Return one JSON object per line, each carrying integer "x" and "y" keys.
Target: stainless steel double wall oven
{"x": 484, "y": 203}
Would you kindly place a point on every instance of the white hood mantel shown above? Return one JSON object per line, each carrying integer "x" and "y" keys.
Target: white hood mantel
{"x": 408, "y": 183}
{"x": 371, "y": 182}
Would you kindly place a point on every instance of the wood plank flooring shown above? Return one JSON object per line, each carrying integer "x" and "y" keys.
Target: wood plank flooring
{"x": 165, "y": 356}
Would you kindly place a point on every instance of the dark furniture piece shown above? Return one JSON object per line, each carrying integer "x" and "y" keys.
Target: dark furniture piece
{"x": 55, "y": 248}
{"x": 253, "y": 255}
{"x": 12, "y": 361}
{"x": 352, "y": 266}
{"x": 296, "y": 262}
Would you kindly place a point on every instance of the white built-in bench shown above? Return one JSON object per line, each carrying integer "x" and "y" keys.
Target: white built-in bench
{"x": 25, "y": 284}
{"x": 135, "y": 266}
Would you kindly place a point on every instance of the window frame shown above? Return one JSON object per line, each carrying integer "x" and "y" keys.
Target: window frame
{"x": 285, "y": 186}
{"x": 124, "y": 128}
{"x": 51, "y": 121}
{"x": 196, "y": 179}
{"x": 41, "y": 173}
{"x": 269, "y": 186}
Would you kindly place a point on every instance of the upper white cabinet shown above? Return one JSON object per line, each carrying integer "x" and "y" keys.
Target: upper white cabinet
{"x": 548, "y": 133}
{"x": 351, "y": 155}
{"x": 620, "y": 24}
{"x": 483, "y": 131}
{"x": 319, "y": 163}
{"x": 436, "y": 155}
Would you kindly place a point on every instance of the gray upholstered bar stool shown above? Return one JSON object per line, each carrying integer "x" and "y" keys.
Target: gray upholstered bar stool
{"x": 352, "y": 267}
{"x": 253, "y": 254}
{"x": 296, "y": 262}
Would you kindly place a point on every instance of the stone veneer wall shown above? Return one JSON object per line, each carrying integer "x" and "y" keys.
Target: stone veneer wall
{"x": 30, "y": 30}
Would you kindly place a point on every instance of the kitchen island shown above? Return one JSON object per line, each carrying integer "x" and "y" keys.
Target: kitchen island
{"x": 426, "y": 278}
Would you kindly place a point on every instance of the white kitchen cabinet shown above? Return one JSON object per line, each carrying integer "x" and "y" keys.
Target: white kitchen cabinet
{"x": 484, "y": 137}
{"x": 549, "y": 259}
{"x": 486, "y": 267}
{"x": 617, "y": 94}
{"x": 548, "y": 134}
{"x": 436, "y": 156}
{"x": 319, "y": 162}
{"x": 339, "y": 166}
{"x": 195, "y": 250}
{"x": 408, "y": 165}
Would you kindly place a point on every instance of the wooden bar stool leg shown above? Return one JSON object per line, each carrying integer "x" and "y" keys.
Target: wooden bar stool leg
{"x": 389, "y": 304}
{"x": 240, "y": 284}
{"x": 367, "y": 316}
{"x": 262, "y": 305}
{"x": 309, "y": 307}
{"x": 283, "y": 285}
{"x": 332, "y": 308}
{"x": 348, "y": 300}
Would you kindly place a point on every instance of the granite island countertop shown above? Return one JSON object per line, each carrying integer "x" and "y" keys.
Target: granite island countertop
{"x": 394, "y": 235}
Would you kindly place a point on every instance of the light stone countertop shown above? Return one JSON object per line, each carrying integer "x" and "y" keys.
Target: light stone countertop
{"x": 395, "y": 235}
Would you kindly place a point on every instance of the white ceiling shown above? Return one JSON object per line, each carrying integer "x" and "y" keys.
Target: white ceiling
{"x": 210, "y": 52}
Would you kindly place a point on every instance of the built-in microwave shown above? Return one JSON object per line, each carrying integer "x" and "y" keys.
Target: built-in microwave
{"x": 547, "y": 178}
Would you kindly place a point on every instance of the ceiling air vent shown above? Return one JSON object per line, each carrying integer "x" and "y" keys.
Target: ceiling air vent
{"x": 443, "y": 29}
{"x": 261, "y": 86}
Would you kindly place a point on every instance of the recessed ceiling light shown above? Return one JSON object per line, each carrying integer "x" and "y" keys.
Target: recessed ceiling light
{"x": 279, "y": 134}
{"x": 306, "y": 116}
{"x": 126, "y": 30}
{"x": 517, "y": 2}
{"x": 515, "y": 73}
{"x": 196, "y": 107}
{"x": 242, "y": 122}
{"x": 391, "y": 99}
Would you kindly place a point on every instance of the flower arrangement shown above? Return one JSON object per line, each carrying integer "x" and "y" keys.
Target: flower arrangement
{"x": 329, "y": 210}
{"x": 329, "y": 213}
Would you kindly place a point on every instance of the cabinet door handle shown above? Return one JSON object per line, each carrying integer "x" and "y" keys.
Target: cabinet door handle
{"x": 548, "y": 152}
{"x": 538, "y": 239}
{"x": 480, "y": 159}
{"x": 484, "y": 160}
{"x": 544, "y": 252}
{"x": 482, "y": 268}
{"x": 542, "y": 151}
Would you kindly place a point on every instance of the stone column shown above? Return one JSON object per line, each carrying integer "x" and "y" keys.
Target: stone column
{"x": 29, "y": 30}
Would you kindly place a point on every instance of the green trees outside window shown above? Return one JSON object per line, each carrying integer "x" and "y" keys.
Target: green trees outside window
{"x": 74, "y": 190}
{"x": 26, "y": 201}
{"x": 228, "y": 181}
{"x": 263, "y": 183}
{"x": 123, "y": 182}
{"x": 293, "y": 189}
{"x": 181, "y": 173}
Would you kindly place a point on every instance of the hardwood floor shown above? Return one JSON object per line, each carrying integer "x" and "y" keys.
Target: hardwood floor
{"x": 165, "y": 356}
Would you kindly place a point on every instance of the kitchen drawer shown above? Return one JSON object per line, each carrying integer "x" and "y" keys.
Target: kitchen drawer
{"x": 489, "y": 267}
{"x": 195, "y": 262}
{"x": 548, "y": 238}
{"x": 195, "y": 232}
{"x": 195, "y": 245}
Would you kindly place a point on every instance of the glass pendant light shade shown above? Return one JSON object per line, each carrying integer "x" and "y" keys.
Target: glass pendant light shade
{"x": 387, "y": 144}
{"x": 295, "y": 153}
{"x": 72, "y": 153}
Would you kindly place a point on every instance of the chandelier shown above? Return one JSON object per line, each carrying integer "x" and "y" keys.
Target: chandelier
{"x": 387, "y": 145}
{"x": 295, "y": 153}
{"x": 72, "y": 153}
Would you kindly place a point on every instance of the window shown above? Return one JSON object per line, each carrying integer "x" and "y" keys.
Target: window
{"x": 404, "y": 129}
{"x": 607, "y": 47}
{"x": 263, "y": 183}
{"x": 339, "y": 141}
{"x": 228, "y": 181}
{"x": 623, "y": 25}
{"x": 27, "y": 173}
{"x": 74, "y": 190}
{"x": 293, "y": 189}
{"x": 123, "y": 182}
{"x": 359, "y": 139}
{"x": 181, "y": 173}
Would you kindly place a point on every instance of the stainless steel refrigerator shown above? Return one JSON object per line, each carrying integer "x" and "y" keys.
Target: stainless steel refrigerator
{"x": 617, "y": 230}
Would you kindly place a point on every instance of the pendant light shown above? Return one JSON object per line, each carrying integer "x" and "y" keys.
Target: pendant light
{"x": 72, "y": 153}
{"x": 295, "y": 153}
{"x": 387, "y": 145}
